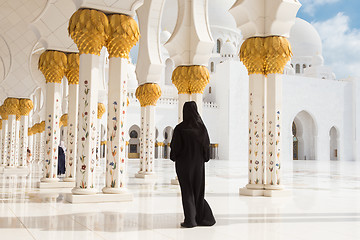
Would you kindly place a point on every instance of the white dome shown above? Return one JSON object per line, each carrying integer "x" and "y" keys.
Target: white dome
{"x": 228, "y": 48}
{"x": 304, "y": 39}
{"x": 218, "y": 14}
{"x": 317, "y": 60}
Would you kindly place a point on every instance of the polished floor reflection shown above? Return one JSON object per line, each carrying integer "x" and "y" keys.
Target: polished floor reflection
{"x": 325, "y": 204}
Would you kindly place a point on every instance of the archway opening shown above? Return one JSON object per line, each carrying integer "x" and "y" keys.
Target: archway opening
{"x": 304, "y": 137}
{"x": 333, "y": 144}
{"x": 168, "y": 132}
{"x": 134, "y": 142}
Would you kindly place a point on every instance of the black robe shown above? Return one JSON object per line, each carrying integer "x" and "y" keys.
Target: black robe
{"x": 190, "y": 150}
{"x": 61, "y": 161}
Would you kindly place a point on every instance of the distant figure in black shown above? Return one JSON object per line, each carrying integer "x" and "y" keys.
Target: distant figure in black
{"x": 61, "y": 158}
{"x": 190, "y": 150}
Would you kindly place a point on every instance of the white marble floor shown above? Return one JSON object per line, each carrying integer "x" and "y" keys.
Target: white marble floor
{"x": 325, "y": 204}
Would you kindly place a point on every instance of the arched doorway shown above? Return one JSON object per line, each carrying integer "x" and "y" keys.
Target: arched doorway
{"x": 134, "y": 142}
{"x": 333, "y": 144}
{"x": 295, "y": 143}
{"x": 304, "y": 132}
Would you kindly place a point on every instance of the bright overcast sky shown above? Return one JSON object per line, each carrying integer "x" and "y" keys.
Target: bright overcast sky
{"x": 338, "y": 23}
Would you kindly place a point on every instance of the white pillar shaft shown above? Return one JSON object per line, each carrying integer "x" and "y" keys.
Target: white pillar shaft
{"x": 198, "y": 98}
{"x": 4, "y": 143}
{"x": 87, "y": 117}
{"x": 12, "y": 141}
{"x": 52, "y": 131}
{"x": 256, "y": 131}
{"x": 273, "y": 137}
{"x": 42, "y": 149}
{"x": 98, "y": 143}
{"x": 149, "y": 139}
{"x": 116, "y": 144}
{"x": 37, "y": 147}
{"x": 182, "y": 99}
{"x": 31, "y": 147}
{"x": 65, "y": 135}
{"x": 24, "y": 121}
{"x": 142, "y": 139}
{"x": 72, "y": 133}
{"x": 17, "y": 145}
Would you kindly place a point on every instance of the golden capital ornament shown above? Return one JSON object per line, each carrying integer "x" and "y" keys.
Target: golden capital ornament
{"x": 148, "y": 94}
{"x": 53, "y": 65}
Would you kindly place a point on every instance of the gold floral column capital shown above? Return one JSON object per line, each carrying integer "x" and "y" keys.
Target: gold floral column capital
{"x": 30, "y": 131}
{"x": 88, "y": 28}
{"x": 190, "y": 79}
{"x": 72, "y": 70}
{"x": 52, "y": 64}
{"x": 101, "y": 110}
{"x": 265, "y": 55}
{"x": 252, "y": 54}
{"x": 0, "y": 124}
{"x": 26, "y": 105}
{"x": 148, "y": 94}
{"x": 63, "y": 120}
{"x": 278, "y": 53}
{"x": 3, "y": 113}
{"x": 123, "y": 35}
{"x": 12, "y": 106}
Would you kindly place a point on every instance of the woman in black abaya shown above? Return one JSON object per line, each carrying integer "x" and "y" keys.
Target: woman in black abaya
{"x": 190, "y": 150}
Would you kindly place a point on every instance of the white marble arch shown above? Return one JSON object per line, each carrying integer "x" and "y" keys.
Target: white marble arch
{"x": 136, "y": 140}
{"x": 306, "y": 133}
{"x": 334, "y": 137}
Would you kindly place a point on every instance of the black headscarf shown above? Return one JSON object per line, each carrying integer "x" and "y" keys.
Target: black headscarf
{"x": 191, "y": 117}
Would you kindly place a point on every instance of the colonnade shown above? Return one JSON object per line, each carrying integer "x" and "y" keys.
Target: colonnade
{"x": 14, "y": 132}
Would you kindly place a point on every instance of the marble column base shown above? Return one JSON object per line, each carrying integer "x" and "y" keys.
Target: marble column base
{"x": 69, "y": 180}
{"x": 146, "y": 175}
{"x": 265, "y": 192}
{"x": 22, "y": 167}
{"x": 175, "y": 181}
{"x": 99, "y": 198}
{"x": 44, "y": 185}
{"x": 15, "y": 170}
{"x": 49, "y": 180}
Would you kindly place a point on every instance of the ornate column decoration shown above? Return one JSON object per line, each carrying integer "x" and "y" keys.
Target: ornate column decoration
{"x": 37, "y": 133}
{"x": 72, "y": 74}
{"x": 12, "y": 109}
{"x": 26, "y": 105}
{"x": 101, "y": 111}
{"x": 123, "y": 35}
{"x": 265, "y": 52}
{"x": 42, "y": 144}
{"x": 4, "y": 143}
{"x": 52, "y": 64}
{"x": 88, "y": 29}
{"x": 17, "y": 139}
{"x": 31, "y": 143}
{"x": 148, "y": 94}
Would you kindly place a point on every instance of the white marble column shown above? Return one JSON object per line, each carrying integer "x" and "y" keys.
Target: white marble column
{"x": 31, "y": 144}
{"x": 72, "y": 74}
{"x": 4, "y": 142}
{"x": 12, "y": 108}
{"x": 52, "y": 64}
{"x": 87, "y": 121}
{"x": 116, "y": 143}
{"x": 150, "y": 143}
{"x": 1, "y": 140}
{"x": 52, "y": 131}
{"x": 23, "y": 140}
{"x": 17, "y": 140}
{"x": 101, "y": 111}
{"x": 12, "y": 140}
{"x": 256, "y": 132}
{"x": 273, "y": 141}
{"x": 142, "y": 139}
{"x": 89, "y": 39}
{"x": 182, "y": 99}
